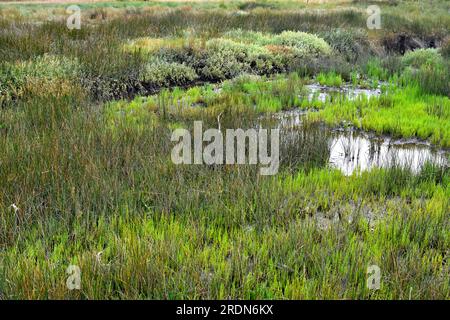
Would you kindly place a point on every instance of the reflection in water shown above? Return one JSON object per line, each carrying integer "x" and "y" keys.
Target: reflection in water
{"x": 350, "y": 150}
{"x": 321, "y": 93}
{"x": 289, "y": 119}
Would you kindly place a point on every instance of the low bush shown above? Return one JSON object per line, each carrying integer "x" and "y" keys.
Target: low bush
{"x": 422, "y": 57}
{"x": 247, "y": 51}
{"x": 108, "y": 87}
{"x": 237, "y": 52}
{"x": 227, "y": 59}
{"x": 303, "y": 44}
{"x": 160, "y": 73}
{"x": 351, "y": 44}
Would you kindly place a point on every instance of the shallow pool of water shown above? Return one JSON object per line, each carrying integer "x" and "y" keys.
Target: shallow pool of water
{"x": 351, "y": 150}
{"x": 322, "y": 93}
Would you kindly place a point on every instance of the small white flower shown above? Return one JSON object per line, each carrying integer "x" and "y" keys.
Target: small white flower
{"x": 15, "y": 208}
{"x": 99, "y": 257}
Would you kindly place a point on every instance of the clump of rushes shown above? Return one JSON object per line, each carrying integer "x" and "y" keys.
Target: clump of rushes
{"x": 136, "y": 114}
{"x": 428, "y": 69}
{"x": 25, "y": 78}
{"x": 329, "y": 79}
{"x": 259, "y": 94}
{"x": 352, "y": 45}
{"x": 148, "y": 45}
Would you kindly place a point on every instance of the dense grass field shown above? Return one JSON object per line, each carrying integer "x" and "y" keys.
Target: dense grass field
{"x": 86, "y": 176}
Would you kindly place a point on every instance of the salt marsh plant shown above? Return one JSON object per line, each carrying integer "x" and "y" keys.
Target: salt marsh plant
{"x": 86, "y": 176}
{"x": 159, "y": 73}
{"x": 19, "y": 78}
{"x": 330, "y": 79}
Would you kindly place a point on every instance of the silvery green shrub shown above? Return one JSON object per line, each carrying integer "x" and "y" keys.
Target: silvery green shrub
{"x": 161, "y": 73}
{"x": 227, "y": 59}
{"x": 422, "y": 58}
{"x": 304, "y": 44}
{"x": 351, "y": 44}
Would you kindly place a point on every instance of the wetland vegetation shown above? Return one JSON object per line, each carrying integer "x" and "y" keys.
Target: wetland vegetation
{"x": 86, "y": 118}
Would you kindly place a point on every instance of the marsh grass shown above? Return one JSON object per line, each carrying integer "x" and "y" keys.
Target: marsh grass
{"x": 91, "y": 183}
{"x": 110, "y": 70}
{"x": 330, "y": 79}
{"x": 107, "y": 197}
